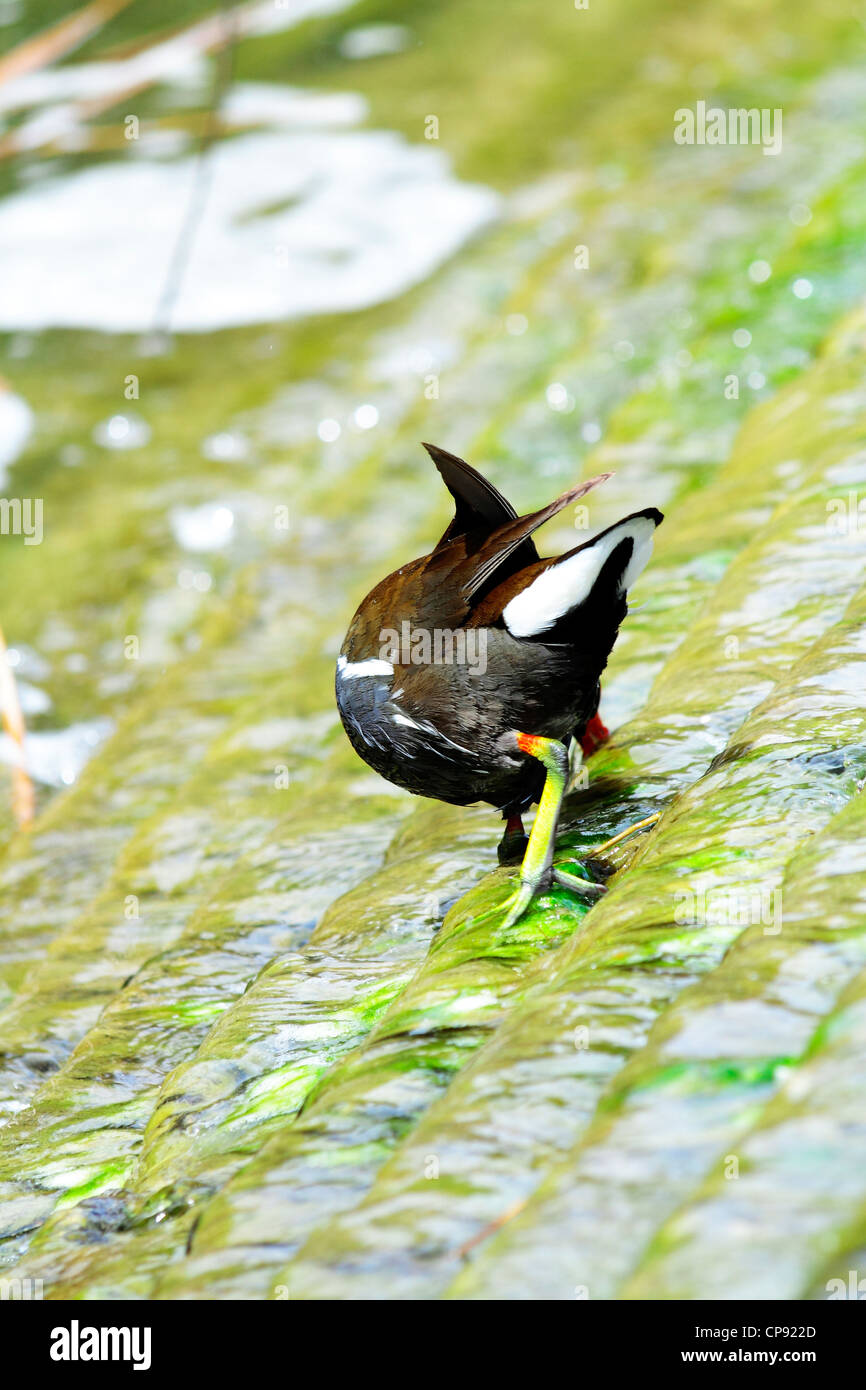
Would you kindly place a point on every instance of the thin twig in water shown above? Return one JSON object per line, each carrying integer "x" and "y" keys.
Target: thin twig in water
{"x": 490, "y": 1229}
{"x": 623, "y": 834}
{"x": 23, "y": 799}
{"x": 201, "y": 181}
{"x": 45, "y": 48}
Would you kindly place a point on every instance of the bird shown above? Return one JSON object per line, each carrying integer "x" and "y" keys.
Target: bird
{"x": 467, "y": 674}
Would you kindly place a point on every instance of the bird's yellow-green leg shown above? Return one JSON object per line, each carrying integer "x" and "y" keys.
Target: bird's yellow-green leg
{"x": 537, "y": 871}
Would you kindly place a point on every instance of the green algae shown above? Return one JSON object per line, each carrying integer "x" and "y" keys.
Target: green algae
{"x": 543, "y": 1072}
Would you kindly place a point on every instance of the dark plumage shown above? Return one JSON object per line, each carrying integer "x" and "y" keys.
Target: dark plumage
{"x": 527, "y": 638}
{"x": 458, "y": 746}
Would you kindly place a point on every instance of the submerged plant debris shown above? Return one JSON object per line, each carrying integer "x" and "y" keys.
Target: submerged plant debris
{"x": 262, "y": 1033}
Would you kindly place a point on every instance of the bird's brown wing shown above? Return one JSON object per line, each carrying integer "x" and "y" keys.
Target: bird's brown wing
{"x": 478, "y": 506}
{"x": 501, "y": 553}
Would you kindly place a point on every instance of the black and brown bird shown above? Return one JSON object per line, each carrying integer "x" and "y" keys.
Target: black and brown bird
{"x": 466, "y": 674}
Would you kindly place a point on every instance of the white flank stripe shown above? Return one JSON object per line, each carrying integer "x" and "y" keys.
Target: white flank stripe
{"x": 371, "y": 667}
{"x": 563, "y": 586}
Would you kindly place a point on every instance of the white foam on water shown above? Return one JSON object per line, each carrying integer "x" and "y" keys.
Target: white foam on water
{"x": 55, "y": 757}
{"x": 308, "y": 216}
{"x": 16, "y": 427}
{"x": 200, "y": 529}
{"x": 266, "y": 103}
{"x": 178, "y": 59}
{"x": 295, "y": 223}
{"x": 374, "y": 40}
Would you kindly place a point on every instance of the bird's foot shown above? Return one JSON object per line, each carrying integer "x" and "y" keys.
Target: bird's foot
{"x": 530, "y": 888}
{"x": 519, "y": 901}
{"x": 582, "y": 886}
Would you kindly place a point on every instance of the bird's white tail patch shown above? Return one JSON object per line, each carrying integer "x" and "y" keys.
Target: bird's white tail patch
{"x": 569, "y": 582}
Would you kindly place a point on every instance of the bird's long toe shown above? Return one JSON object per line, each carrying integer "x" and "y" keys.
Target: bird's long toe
{"x": 583, "y": 887}
{"x": 520, "y": 900}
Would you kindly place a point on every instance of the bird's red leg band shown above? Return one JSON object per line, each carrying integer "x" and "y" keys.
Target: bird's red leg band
{"x": 532, "y": 744}
{"x": 552, "y": 755}
{"x": 594, "y": 734}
